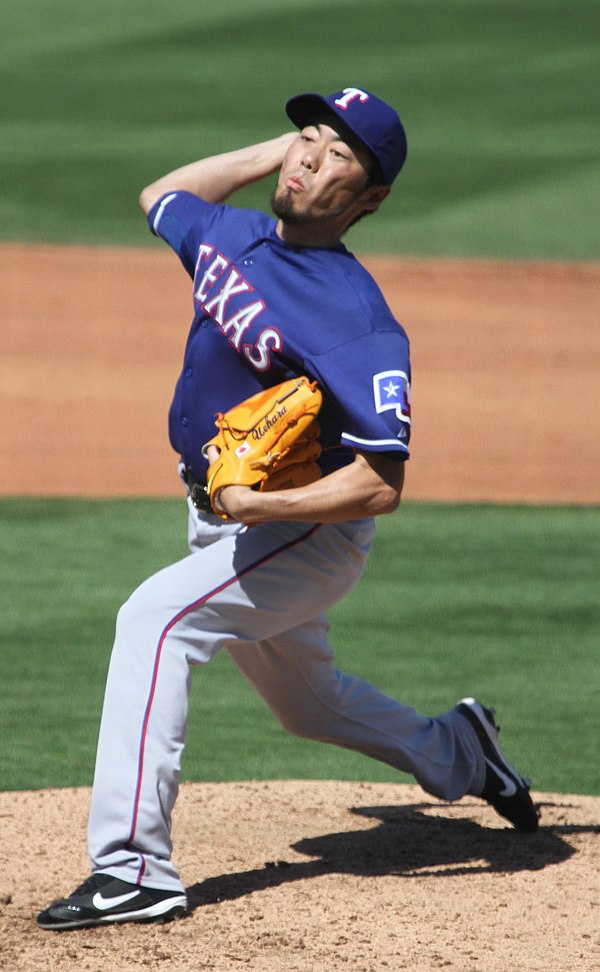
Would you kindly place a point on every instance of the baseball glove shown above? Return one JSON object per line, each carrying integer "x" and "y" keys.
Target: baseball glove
{"x": 269, "y": 441}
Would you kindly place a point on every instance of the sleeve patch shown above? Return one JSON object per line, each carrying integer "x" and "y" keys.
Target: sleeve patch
{"x": 391, "y": 390}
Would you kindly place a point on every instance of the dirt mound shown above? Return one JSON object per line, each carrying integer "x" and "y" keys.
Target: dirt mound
{"x": 320, "y": 877}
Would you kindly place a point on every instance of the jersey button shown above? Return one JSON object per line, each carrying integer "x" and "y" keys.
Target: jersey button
{"x": 188, "y": 372}
{"x": 248, "y": 262}
{"x": 184, "y": 420}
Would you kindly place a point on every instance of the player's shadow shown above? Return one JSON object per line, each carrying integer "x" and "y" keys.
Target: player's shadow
{"x": 408, "y": 842}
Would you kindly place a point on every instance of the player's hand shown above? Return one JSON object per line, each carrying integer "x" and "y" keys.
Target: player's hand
{"x": 232, "y": 499}
{"x": 235, "y": 501}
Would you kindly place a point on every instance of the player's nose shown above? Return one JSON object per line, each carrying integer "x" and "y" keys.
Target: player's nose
{"x": 311, "y": 159}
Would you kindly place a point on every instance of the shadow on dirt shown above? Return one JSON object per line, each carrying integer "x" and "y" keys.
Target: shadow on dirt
{"x": 408, "y": 842}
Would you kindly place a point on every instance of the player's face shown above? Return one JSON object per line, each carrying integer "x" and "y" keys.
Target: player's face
{"x": 321, "y": 185}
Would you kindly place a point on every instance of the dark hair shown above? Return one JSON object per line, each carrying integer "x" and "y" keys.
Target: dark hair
{"x": 374, "y": 178}
{"x": 374, "y": 175}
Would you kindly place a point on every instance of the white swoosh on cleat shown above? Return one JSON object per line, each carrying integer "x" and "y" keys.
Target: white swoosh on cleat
{"x": 103, "y": 904}
{"x": 510, "y": 787}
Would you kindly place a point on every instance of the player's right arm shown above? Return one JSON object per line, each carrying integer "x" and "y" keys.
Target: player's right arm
{"x": 217, "y": 177}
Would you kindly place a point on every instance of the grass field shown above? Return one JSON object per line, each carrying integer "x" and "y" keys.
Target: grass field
{"x": 500, "y": 602}
{"x": 500, "y": 102}
{"x": 499, "y": 99}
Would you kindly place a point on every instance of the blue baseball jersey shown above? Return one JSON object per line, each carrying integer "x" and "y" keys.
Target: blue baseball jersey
{"x": 265, "y": 311}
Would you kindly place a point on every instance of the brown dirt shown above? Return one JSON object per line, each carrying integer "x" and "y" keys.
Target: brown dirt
{"x": 506, "y": 397}
{"x": 321, "y": 877}
{"x": 297, "y": 876}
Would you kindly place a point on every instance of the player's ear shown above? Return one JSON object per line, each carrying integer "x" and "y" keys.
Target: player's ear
{"x": 373, "y": 197}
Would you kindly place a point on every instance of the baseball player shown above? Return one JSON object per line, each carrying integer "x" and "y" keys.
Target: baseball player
{"x": 273, "y": 299}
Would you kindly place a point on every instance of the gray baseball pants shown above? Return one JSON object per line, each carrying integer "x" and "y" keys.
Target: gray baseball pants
{"x": 259, "y": 594}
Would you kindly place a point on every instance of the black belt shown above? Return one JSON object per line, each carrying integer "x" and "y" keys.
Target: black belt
{"x": 198, "y": 492}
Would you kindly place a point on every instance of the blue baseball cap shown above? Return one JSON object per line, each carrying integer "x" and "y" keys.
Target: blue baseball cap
{"x": 373, "y": 122}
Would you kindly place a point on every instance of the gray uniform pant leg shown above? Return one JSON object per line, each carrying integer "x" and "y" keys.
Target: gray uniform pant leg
{"x": 294, "y": 672}
{"x": 259, "y": 595}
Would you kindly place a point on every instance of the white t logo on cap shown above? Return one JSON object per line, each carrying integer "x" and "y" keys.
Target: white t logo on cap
{"x": 349, "y": 95}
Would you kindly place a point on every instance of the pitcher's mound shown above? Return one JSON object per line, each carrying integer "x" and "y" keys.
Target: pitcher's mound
{"x": 319, "y": 877}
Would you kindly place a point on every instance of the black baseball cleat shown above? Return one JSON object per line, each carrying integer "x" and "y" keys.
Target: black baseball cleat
{"x": 103, "y": 899}
{"x": 505, "y": 789}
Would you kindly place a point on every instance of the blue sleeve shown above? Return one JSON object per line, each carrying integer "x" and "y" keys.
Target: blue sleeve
{"x": 367, "y": 382}
{"x": 179, "y": 218}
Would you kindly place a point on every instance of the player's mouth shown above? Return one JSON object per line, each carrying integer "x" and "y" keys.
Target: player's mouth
{"x": 294, "y": 183}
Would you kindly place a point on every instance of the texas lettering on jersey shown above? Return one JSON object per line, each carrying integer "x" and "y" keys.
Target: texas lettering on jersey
{"x": 217, "y": 282}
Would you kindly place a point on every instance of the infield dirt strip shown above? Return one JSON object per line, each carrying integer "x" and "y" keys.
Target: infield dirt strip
{"x": 301, "y": 876}
{"x": 506, "y": 359}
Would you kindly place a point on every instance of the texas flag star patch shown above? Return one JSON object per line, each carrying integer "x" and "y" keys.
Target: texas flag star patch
{"x": 392, "y": 390}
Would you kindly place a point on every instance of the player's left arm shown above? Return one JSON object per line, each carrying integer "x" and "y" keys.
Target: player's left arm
{"x": 369, "y": 486}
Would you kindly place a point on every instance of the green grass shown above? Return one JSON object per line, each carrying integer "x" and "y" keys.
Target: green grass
{"x": 496, "y": 601}
{"x": 499, "y": 98}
